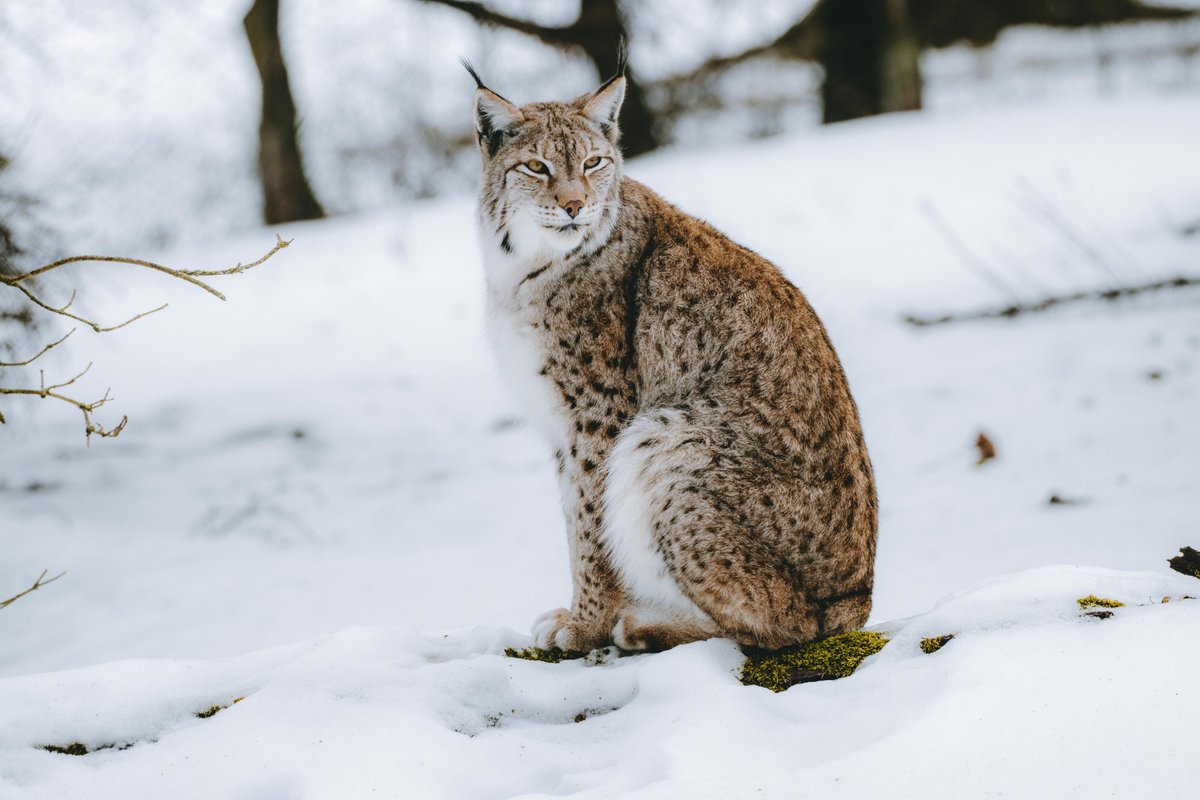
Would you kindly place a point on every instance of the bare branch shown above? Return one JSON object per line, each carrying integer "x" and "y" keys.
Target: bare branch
{"x": 39, "y": 583}
{"x": 91, "y": 428}
{"x": 797, "y": 43}
{"x": 192, "y": 276}
{"x": 558, "y": 37}
{"x": 280, "y": 243}
{"x": 40, "y": 353}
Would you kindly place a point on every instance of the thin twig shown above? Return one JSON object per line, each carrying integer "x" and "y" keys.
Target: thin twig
{"x": 40, "y": 353}
{"x": 1045, "y": 210}
{"x": 91, "y": 428}
{"x": 192, "y": 276}
{"x": 39, "y": 583}
{"x": 972, "y": 261}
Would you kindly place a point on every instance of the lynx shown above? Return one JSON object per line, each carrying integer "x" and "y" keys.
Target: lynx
{"x": 712, "y": 467}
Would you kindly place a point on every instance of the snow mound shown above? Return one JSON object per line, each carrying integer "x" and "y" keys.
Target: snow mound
{"x": 1086, "y": 706}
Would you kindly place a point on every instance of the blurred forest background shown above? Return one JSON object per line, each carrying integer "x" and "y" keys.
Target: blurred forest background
{"x": 136, "y": 123}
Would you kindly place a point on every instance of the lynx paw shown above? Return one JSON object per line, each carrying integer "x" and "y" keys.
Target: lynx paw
{"x": 562, "y": 629}
{"x": 652, "y": 630}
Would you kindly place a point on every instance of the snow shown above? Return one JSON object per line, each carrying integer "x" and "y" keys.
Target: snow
{"x": 326, "y": 466}
{"x": 1030, "y": 699}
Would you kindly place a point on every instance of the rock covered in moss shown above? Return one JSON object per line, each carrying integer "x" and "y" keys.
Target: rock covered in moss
{"x": 834, "y": 657}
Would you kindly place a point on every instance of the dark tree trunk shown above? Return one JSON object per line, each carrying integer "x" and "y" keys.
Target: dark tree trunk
{"x": 597, "y": 31}
{"x": 600, "y": 28}
{"x": 870, "y": 57}
{"x": 870, "y": 49}
{"x": 286, "y": 194}
{"x": 902, "y": 81}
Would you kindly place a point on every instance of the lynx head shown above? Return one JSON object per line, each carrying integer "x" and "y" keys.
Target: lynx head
{"x": 551, "y": 171}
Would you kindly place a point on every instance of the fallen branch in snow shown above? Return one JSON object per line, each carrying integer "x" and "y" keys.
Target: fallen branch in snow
{"x": 20, "y": 283}
{"x": 39, "y": 583}
{"x": 1004, "y": 312}
{"x": 1187, "y": 562}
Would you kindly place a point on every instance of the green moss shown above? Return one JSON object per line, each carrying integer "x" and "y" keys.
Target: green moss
{"x": 73, "y": 749}
{"x": 551, "y": 656}
{"x": 934, "y": 643}
{"x": 211, "y": 710}
{"x": 1091, "y": 601}
{"x": 834, "y": 657}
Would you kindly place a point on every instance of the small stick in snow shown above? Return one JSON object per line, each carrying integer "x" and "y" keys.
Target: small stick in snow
{"x": 39, "y": 583}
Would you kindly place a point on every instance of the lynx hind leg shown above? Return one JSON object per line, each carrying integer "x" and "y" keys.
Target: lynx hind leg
{"x": 659, "y": 614}
{"x": 682, "y": 552}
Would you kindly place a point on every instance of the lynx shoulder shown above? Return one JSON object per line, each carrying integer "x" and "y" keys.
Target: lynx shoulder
{"x": 712, "y": 467}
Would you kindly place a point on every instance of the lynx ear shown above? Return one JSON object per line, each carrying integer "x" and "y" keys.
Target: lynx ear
{"x": 495, "y": 117}
{"x": 604, "y": 105}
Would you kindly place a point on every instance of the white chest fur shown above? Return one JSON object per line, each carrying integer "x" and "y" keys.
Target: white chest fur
{"x": 515, "y": 328}
{"x": 520, "y": 357}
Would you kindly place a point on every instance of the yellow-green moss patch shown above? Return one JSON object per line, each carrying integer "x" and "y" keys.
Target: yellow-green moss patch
{"x": 211, "y": 710}
{"x": 81, "y": 749}
{"x": 73, "y": 749}
{"x": 551, "y": 655}
{"x": 1091, "y": 601}
{"x": 932, "y": 644}
{"x": 827, "y": 659}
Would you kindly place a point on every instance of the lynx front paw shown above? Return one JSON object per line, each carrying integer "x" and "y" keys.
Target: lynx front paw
{"x": 562, "y": 629}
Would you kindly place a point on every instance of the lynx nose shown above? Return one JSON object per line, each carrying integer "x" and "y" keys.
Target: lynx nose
{"x": 572, "y": 207}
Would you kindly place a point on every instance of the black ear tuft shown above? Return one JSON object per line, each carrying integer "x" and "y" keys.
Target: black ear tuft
{"x": 471, "y": 69}
{"x": 495, "y": 117}
{"x": 622, "y": 62}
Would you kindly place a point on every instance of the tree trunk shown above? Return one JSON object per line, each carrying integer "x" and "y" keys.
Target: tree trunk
{"x": 901, "y": 61}
{"x": 870, "y": 56}
{"x": 287, "y": 197}
{"x": 600, "y": 30}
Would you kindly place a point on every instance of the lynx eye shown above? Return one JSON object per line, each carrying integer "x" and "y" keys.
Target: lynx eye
{"x": 592, "y": 162}
{"x": 537, "y": 167}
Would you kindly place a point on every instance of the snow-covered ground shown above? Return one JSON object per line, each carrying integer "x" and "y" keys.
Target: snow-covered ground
{"x": 328, "y": 459}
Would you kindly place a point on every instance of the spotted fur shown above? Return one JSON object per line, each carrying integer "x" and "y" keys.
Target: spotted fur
{"x": 712, "y": 467}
